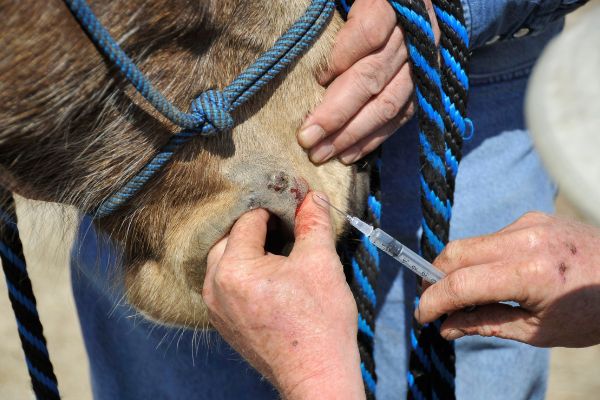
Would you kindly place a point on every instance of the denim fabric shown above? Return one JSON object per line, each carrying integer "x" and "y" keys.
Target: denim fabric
{"x": 501, "y": 19}
{"x": 500, "y": 178}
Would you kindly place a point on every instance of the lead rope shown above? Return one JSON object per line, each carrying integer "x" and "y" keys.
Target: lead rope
{"x": 441, "y": 100}
{"x": 23, "y": 303}
{"x": 454, "y": 44}
{"x": 441, "y": 110}
{"x": 432, "y": 369}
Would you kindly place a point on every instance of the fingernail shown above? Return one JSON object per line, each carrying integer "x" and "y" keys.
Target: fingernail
{"x": 348, "y": 157}
{"x": 321, "y": 199}
{"x": 324, "y": 78}
{"x": 321, "y": 153}
{"x": 453, "y": 334}
{"x": 311, "y": 135}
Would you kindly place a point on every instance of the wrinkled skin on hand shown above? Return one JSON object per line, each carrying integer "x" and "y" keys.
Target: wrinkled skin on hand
{"x": 293, "y": 318}
{"x": 549, "y": 265}
{"x": 369, "y": 86}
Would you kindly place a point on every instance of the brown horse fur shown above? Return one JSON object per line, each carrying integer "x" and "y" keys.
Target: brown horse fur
{"x": 73, "y": 131}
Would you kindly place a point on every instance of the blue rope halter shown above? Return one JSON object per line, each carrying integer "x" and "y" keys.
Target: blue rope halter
{"x": 210, "y": 112}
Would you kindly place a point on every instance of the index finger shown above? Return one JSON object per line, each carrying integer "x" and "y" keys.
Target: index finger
{"x": 477, "y": 285}
{"x": 248, "y": 235}
{"x": 480, "y": 250}
{"x": 370, "y": 23}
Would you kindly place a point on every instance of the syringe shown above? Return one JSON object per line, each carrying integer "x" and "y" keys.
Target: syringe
{"x": 394, "y": 248}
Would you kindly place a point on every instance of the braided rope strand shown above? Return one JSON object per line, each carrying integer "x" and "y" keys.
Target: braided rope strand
{"x": 441, "y": 96}
{"x": 22, "y": 300}
{"x": 454, "y": 55}
{"x": 414, "y": 20}
{"x": 427, "y": 343}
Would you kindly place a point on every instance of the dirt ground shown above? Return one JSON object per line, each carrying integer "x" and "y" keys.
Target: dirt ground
{"x": 573, "y": 372}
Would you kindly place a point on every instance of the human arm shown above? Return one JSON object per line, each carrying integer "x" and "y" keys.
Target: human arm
{"x": 293, "y": 318}
{"x": 549, "y": 265}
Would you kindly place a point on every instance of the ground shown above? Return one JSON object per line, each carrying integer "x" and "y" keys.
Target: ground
{"x": 573, "y": 372}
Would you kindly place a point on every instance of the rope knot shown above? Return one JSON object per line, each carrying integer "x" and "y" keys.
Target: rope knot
{"x": 212, "y": 106}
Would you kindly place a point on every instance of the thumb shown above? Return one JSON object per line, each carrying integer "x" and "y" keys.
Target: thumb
{"x": 313, "y": 224}
{"x": 248, "y": 235}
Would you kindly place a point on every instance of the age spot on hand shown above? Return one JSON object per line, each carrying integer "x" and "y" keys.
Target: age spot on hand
{"x": 571, "y": 248}
{"x": 562, "y": 270}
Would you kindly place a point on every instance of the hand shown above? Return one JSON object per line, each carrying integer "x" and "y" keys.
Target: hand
{"x": 370, "y": 92}
{"x": 293, "y": 318}
{"x": 549, "y": 265}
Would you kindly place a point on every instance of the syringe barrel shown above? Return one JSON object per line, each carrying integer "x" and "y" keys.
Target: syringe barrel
{"x": 406, "y": 256}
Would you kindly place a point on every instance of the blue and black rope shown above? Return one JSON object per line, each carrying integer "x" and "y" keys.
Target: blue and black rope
{"x": 423, "y": 55}
{"x": 23, "y": 303}
{"x": 454, "y": 44}
{"x": 211, "y": 112}
{"x": 441, "y": 98}
{"x": 432, "y": 360}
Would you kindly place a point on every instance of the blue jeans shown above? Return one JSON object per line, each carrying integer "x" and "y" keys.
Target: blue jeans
{"x": 500, "y": 178}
